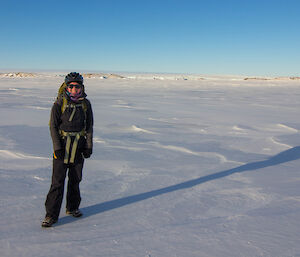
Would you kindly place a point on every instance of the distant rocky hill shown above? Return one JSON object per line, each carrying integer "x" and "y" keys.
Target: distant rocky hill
{"x": 103, "y": 75}
{"x": 18, "y": 75}
{"x": 278, "y": 78}
{"x": 145, "y": 76}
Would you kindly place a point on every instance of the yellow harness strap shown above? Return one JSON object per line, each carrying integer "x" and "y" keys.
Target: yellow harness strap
{"x": 68, "y": 135}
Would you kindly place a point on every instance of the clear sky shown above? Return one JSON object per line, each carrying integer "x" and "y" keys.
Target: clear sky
{"x": 236, "y": 37}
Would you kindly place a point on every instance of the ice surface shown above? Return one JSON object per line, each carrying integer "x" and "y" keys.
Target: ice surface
{"x": 197, "y": 167}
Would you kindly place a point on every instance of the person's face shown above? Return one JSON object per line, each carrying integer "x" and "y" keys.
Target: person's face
{"x": 74, "y": 88}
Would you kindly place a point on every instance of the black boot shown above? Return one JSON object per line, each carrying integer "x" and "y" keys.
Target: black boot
{"x": 48, "y": 222}
{"x": 76, "y": 213}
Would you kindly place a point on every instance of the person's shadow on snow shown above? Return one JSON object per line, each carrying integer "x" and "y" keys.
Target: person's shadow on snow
{"x": 285, "y": 156}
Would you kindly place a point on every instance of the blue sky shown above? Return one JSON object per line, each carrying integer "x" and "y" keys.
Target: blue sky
{"x": 255, "y": 37}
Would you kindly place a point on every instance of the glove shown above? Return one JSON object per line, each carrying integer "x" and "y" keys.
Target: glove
{"x": 59, "y": 154}
{"x": 87, "y": 153}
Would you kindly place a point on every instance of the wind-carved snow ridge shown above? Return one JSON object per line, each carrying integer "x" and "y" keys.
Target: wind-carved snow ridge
{"x": 6, "y": 154}
{"x": 122, "y": 104}
{"x": 237, "y": 128}
{"x": 37, "y": 107}
{"x": 239, "y": 131}
{"x": 276, "y": 128}
{"x": 242, "y": 128}
{"x": 278, "y": 143}
{"x": 135, "y": 128}
{"x": 184, "y": 150}
{"x": 287, "y": 128}
{"x": 39, "y": 178}
{"x": 98, "y": 140}
{"x": 130, "y": 129}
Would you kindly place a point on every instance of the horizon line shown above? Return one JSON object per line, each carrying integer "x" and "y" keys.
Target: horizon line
{"x": 95, "y": 71}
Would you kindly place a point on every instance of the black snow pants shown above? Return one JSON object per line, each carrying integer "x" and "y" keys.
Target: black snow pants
{"x": 55, "y": 196}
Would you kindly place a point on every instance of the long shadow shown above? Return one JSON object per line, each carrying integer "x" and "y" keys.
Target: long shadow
{"x": 285, "y": 156}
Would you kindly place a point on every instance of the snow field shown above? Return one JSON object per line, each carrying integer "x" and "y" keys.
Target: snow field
{"x": 180, "y": 168}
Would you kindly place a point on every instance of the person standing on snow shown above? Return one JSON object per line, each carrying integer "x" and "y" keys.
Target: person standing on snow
{"x": 71, "y": 128}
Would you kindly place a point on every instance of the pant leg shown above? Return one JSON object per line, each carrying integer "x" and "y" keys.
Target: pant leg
{"x": 75, "y": 176}
{"x": 55, "y": 196}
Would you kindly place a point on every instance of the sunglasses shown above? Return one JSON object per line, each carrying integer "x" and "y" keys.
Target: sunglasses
{"x": 76, "y": 86}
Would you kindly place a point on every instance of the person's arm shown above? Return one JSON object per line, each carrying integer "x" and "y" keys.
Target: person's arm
{"x": 89, "y": 126}
{"x": 54, "y": 127}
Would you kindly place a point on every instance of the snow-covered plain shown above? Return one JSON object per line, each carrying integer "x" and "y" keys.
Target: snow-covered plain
{"x": 187, "y": 168}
